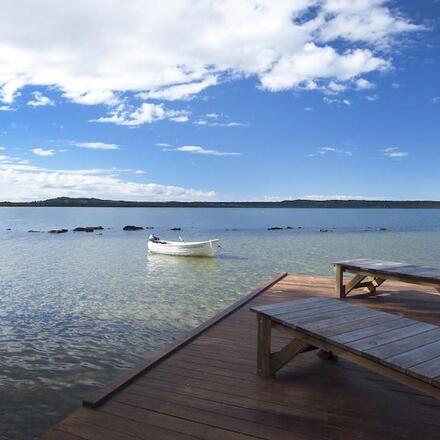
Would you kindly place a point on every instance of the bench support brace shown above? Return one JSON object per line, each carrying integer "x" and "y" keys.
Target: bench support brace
{"x": 269, "y": 363}
{"x": 357, "y": 282}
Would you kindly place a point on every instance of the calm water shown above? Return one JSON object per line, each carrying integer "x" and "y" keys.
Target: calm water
{"x": 77, "y": 308}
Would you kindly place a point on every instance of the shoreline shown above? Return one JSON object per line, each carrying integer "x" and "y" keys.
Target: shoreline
{"x": 67, "y": 202}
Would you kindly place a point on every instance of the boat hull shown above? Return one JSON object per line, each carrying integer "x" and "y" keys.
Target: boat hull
{"x": 182, "y": 249}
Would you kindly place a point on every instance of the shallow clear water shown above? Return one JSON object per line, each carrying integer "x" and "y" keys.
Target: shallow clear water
{"x": 77, "y": 308}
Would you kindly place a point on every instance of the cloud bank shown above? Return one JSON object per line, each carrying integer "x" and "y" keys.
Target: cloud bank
{"x": 95, "y": 52}
{"x": 21, "y": 182}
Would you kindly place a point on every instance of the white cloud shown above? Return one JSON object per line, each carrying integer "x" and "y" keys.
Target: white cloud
{"x": 180, "y": 91}
{"x": 372, "y": 97}
{"x": 219, "y": 124}
{"x": 21, "y": 182}
{"x": 6, "y": 108}
{"x": 308, "y": 109}
{"x": 394, "y": 153}
{"x": 435, "y": 100}
{"x": 92, "y": 97}
{"x": 337, "y": 197}
{"x": 212, "y": 115}
{"x": 180, "y": 118}
{"x": 336, "y": 101}
{"x": 42, "y": 152}
{"x": 369, "y": 21}
{"x": 175, "y": 49}
{"x": 331, "y": 150}
{"x": 317, "y": 62}
{"x": 363, "y": 84}
{"x": 139, "y": 172}
{"x": 195, "y": 149}
{"x": 40, "y": 100}
{"x": 146, "y": 113}
{"x": 96, "y": 145}
{"x": 335, "y": 87}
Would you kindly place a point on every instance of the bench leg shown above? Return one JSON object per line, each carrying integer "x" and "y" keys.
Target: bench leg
{"x": 269, "y": 363}
{"x": 264, "y": 346}
{"x": 340, "y": 288}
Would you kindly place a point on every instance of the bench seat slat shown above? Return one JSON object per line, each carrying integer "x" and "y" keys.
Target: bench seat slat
{"x": 404, "y": 345}
{"x": 429, "y": 368}
{"x": 386, "y": 326}
{"x": 416, "y": 356}
{"x": 312, "y": 314}
{"x": 345, "y": 317}
{"x": 391, "y": 336}
{"x": 362, "y": 323}
{"x": 305, "y": 303}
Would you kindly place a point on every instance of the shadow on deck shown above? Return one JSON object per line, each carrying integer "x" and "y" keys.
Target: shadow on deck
{"x": 208, "y": 388}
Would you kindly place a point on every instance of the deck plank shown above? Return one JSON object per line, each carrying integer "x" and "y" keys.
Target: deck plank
{"x": 208, "y": 388}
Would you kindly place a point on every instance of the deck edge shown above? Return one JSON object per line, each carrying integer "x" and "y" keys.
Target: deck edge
{"x": 98, "y": 397}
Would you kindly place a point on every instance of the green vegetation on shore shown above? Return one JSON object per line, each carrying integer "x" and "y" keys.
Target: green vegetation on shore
{"x": 91, "y": 202}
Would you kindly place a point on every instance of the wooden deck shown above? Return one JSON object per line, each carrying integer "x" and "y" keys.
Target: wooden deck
{"x": 206, "y": 386}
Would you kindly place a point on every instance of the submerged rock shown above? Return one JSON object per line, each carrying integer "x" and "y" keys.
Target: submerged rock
{"x": 275, "y": 228}
{"x": 324, "y": 230}
{"x": 31, "y": 230}
{"x": 149, "y": 227}
{"x": 132, "y": 228}
{"x": 289, "y": 227}
{"x": 175, "y": 229}
{"x": 57, "y": 231}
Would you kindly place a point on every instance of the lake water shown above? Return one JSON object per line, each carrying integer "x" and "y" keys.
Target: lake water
{"x": 77, "y": 308}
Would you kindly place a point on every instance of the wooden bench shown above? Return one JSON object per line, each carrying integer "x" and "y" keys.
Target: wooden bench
{"x": 375, "y": 272}
{"x": 401, "y": 349}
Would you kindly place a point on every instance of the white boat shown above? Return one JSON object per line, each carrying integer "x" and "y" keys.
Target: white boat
{"x": 183, "y": 248}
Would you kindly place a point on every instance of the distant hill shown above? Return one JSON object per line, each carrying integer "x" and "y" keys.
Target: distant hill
{"x": 91, "y": 202}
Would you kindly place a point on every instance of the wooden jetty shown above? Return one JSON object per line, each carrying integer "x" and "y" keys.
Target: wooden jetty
{"x": 205, "y": 386}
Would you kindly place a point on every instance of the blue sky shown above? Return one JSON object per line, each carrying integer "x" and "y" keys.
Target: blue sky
{"x": 226, "y": 100}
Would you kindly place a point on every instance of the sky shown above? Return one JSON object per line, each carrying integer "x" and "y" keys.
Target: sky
{"x": 220, "y": 100}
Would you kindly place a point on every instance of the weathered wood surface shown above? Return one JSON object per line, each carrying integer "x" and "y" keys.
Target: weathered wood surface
{"x": 377, "y": 272}
{"x": 312, "y": 317}
{"x": 208, "y": 389}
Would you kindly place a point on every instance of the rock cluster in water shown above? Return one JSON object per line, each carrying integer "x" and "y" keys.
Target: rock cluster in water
{"x": 132, "y": 228}
{"x": 88, "y": 228}
{"x": 141, "y": 228}
{"x": 280, "y": 228}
